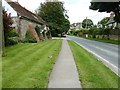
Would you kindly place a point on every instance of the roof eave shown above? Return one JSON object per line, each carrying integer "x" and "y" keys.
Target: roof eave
{"x": 23, "y": 17}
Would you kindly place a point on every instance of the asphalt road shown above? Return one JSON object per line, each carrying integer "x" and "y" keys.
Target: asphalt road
{"x": 108, "y": 53}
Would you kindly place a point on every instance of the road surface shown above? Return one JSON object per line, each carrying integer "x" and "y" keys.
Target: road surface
{"x": 108, "y": 53}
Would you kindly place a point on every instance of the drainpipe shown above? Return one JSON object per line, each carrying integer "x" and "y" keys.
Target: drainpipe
{"x": 86, "y": 22}
{"x": 19, "y": 26}
{"x": 2, "y": 43}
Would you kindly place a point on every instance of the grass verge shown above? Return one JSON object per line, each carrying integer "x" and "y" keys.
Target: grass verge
{"x": 0, "y": 70}
{"x": 92, "y": 73}
{"x": 28, "y": 65}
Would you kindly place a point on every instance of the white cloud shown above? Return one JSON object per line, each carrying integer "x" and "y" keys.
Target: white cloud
{"x": 80, "y": 10}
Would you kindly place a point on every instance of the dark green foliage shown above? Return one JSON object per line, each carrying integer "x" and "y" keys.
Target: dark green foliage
{"x": 13, "y": 34}
{"x": 87, "y": 23}
{"x": 54, "y": 14}
{"x": 94, "y": 31}
{"x": 107, "y": 7}
{"x": 37, "y": 29}
{"x": 11, "y": 41}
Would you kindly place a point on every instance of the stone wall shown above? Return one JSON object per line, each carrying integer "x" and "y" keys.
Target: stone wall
{"x": 15, "y": 23}
{"x": 111, "y": 37}
{"x": 22, "y": 26}
{"x": 114, "y": 34}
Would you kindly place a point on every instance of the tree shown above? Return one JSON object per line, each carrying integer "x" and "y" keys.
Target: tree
{"x": 55, "y": 15}
{"x": 87, "y": 23}
{"x": 107, "y": 7}
{"x": 7, "y": 22}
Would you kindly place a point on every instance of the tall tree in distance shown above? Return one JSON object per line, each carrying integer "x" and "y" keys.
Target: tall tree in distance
{"x": 55, "y": 15}
{"x": 87, "y": 23}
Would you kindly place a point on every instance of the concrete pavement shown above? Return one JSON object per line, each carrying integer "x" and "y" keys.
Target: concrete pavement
{"x": 64, "y": 74}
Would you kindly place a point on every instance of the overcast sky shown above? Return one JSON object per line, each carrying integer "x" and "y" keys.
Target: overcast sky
{"x": 77, "y": 9}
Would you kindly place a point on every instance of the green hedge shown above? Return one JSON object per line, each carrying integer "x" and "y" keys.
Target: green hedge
{"x": 11, "y": 41}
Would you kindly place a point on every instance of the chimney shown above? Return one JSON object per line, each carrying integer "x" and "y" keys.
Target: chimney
{"x": 112, "y": 14}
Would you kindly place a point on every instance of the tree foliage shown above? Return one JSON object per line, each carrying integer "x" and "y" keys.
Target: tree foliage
{"x": 107, "y": 7}
{"x": 55, "y": 15}
{"x": 87, "y": 23}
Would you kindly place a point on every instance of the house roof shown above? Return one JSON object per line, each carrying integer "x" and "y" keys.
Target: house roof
{"x": 23, "y": 12}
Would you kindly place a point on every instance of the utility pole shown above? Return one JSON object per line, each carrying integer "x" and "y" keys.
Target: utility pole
{"x": 86, "y": 22}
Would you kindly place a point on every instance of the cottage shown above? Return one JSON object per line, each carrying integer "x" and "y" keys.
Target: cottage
{"x": 76, "y": 26}
{"x": 27, "y": 21}
{"x": 114, "y": 31}
{"x": 112, "y": 22}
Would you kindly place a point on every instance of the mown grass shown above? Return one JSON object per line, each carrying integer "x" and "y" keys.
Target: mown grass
{"x": 0, "y": 69}
{"x": 92, "y": 73}
{"x": 28, "y": 65}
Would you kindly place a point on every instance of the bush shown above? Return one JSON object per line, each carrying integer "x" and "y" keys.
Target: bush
{"x": 11, "y": 37}
{"x": 27, "y": 41}
{"x": 11, "y": 41}
{"x": 13, "y": 34}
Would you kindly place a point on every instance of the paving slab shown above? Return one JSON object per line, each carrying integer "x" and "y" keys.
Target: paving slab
{"x": 64, "y": 73}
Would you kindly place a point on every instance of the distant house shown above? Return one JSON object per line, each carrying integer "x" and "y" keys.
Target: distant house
{"x": 26, "y": 20}
{"x": 114, "y": 31}
{"x": 112, "y": 22}
{"x": 76, "y": 26}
